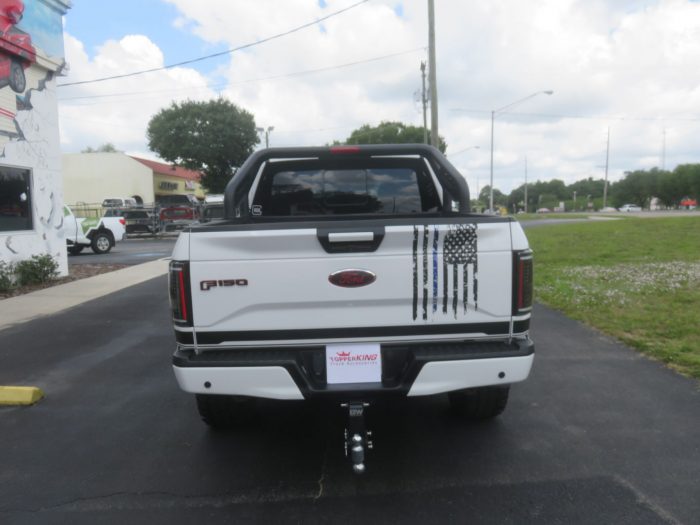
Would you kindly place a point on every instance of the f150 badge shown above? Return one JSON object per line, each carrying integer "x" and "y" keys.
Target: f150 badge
{"x": 205, "y": 286}
{"x": 352, "y": 278}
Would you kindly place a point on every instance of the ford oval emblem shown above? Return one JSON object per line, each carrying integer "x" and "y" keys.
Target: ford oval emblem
{"x": 352, "y": 278}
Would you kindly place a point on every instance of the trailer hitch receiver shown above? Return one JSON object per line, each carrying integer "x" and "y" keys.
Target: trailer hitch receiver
{"x": 357, "y": 438}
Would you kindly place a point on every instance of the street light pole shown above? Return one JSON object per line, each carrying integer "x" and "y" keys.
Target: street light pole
{"x": 267, "y": 134}
{"x": 607, "y": 159}
{"x": 525, "y": 184}
{"x": 493, "y": 118}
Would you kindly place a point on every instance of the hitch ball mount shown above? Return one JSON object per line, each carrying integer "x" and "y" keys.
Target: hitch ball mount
{"x": 357, "y": 438}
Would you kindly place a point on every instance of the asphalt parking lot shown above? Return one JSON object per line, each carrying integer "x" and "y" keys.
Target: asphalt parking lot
{"x": 134, "y": 250}
{"x": 598, "y": 434}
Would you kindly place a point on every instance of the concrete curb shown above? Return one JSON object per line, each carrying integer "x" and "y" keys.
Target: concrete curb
{"x": 48, "y": 301}
{"x": 20, "y": 395}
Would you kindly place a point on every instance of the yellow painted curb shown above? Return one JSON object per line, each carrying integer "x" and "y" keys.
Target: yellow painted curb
{"x": 20, "y": 395}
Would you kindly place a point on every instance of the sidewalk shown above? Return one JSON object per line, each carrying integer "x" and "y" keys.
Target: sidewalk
{"x": 48, "y": 301}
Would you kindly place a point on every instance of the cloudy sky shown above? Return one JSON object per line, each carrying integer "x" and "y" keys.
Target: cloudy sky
{"x": 630, "y": 66}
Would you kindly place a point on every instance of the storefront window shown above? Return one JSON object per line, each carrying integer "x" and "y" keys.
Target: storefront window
{"x": 15, "y": 199}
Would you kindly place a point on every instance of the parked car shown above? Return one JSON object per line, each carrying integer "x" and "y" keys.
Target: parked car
{"x": 608, "y": 209}
{"x": 630, "y": 207}
{"x": 543, "y": 210}
{"x": 177, "y": 218}
{"x": 177, "y": 200}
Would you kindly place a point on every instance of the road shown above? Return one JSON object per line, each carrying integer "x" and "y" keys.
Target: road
{"x": 135, "y": 250}
{"x": 598, "y": 434}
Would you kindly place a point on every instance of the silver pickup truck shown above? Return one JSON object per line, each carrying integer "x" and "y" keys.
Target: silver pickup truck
{"x": 350, "y": 273}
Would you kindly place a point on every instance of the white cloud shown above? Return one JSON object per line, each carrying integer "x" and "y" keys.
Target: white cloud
{"x": 631, "y": 64}
{"x": 118, "y": 111}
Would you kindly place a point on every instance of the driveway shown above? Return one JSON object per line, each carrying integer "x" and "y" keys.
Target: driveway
{"x": 598, "y": 434}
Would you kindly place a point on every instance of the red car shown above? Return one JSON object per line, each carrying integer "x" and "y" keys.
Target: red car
{"x": 177, "y": 217}
{"x": 16, "y": 50}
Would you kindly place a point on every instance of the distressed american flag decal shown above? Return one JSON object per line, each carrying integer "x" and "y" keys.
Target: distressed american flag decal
{"x": 450, "y": 269}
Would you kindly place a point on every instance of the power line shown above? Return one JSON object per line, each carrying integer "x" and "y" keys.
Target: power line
{"x": 220, "y": 53}
{"x": 248, "y": 81}
{"x": 583, "y": 117}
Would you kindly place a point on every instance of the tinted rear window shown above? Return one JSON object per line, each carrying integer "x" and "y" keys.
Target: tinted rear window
{"x": 392, "y": 191}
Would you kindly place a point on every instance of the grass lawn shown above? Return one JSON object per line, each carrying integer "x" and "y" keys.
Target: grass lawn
{"x": 545, "y": 216}
{"x": 637, "y": 280}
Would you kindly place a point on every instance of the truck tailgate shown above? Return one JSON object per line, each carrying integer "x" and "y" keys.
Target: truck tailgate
{"x": 441, "y": 280}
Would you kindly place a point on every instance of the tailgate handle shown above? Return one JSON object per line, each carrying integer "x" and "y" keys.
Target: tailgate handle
{"x": 339, "y": 240}
{"x": 351, "y": 237}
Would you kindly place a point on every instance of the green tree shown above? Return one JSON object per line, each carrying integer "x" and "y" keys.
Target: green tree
{"x": 499, "y": 199}
{"x": 690, "y": 175}
{"x": 107, "y": 147}
{"x": 390, "y": 133}
{"x": 211, "y": 137}
{"x": 636, "y": 187}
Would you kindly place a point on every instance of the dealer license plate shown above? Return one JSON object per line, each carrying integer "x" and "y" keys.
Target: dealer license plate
{"x": 353, "y": 363}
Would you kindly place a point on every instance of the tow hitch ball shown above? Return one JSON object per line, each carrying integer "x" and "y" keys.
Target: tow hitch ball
{"x": 357, "y": 437}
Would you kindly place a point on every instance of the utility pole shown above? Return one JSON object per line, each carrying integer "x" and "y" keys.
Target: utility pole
{"x": 663, "y": 152}
{"x": 424, "y": 100}
{"x": 607, "y": 158}
{"x": 525, "y": 183}
{"x": 267, "y": 134}
{"x": 434, "y": 137}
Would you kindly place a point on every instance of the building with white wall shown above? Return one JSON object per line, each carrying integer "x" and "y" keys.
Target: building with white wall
{"x": 31, "y": 203}
{"x": 93, "y": 177}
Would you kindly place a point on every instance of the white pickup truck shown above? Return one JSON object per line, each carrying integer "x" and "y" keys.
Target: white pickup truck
{"x": 350, "y": 273}
{"x": 100, "y": 234}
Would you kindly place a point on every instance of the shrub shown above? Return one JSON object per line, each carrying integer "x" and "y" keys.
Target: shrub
{"x": 7, "y": 276}
{"x": 37, "y": 270}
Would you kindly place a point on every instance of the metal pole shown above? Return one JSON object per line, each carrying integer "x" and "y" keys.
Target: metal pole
{"x": 525, "y": 183}
{"x": 663, "y": 152}
{"x": 424, "y": 100}
{"x": 607, "y": 157}
{"x": 267, "y": 138}
{"x": 493, "y": 114}
{"x": 434, "y": 137}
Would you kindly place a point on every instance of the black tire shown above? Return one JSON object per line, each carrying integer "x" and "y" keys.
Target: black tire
{"x": 75, "y": 249}
{"x": 17, "y": 80}
{"x": 101, "y": 243}
{"x": 479, "y": 403}
{"x": 225, "y": 412}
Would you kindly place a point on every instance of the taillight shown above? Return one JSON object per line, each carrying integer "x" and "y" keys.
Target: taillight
{"x": 522, "y": 282}
{"x": 122, "y": 221}
{"x": 179, "y": 287}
